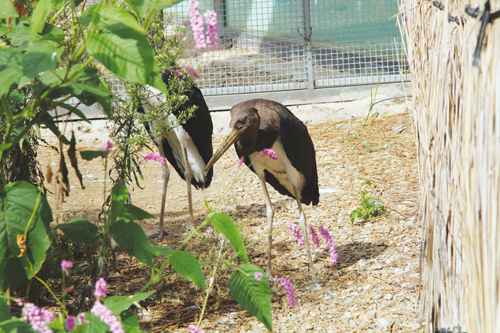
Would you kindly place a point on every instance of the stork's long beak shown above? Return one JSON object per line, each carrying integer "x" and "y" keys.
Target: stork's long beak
{"x": 227, "y": 141}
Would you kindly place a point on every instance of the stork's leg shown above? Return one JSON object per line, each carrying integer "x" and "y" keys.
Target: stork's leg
{"x": 166, "y": 178}
{"x": 303, "y": 224}
{"x": 270, "y": 215}
{"x": 188, "y": 174}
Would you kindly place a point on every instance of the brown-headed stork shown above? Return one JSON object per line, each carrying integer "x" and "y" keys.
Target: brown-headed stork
{"x": 259, "y": 124}
{"x": 188, "y": 146}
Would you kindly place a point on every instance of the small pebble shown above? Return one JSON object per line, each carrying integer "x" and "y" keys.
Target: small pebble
{"x": 388, "y": 297}
{"x": 367, "y": 231}
{"x": 377, "y": 267}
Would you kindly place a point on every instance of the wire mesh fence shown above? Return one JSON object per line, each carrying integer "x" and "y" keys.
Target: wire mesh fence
{"x": 271, "y": 45}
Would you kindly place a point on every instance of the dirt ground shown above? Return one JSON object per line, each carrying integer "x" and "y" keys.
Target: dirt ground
{"x": 375, "y": 287}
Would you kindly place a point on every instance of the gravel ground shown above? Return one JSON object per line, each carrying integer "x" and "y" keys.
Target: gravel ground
{"x": 375, "y": 286}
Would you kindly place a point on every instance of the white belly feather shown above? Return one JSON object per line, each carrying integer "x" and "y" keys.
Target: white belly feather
{"x": 282, "y": 169}
{"x": 177, "y": 138}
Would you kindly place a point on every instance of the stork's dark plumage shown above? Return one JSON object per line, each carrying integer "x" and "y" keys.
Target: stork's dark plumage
{"x": 187, "y": 147}
{"x": 259, "y": 124}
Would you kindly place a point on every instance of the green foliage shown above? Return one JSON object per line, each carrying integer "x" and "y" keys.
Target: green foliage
{"x": 188, "y": 266}
{"x": 228, "y": 228}
{"x": 60, "y": 52}
{"x": 80, "y": 231}
{"x": 369, "y": 208}
{"x": 254, "y": 296}
{"x": 26, "y": 214}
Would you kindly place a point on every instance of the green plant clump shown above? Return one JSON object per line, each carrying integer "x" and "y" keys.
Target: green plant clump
{"x": 369, "y": 208}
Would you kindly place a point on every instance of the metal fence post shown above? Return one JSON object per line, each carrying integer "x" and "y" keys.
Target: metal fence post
{"x": 308, "y": 44}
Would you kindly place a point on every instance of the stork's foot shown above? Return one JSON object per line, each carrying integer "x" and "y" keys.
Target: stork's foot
{"x": 314, "y": 286}
{"x": 157, "y": 234}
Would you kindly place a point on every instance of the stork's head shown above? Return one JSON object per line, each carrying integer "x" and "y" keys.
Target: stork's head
{"x": 244, "y": 127}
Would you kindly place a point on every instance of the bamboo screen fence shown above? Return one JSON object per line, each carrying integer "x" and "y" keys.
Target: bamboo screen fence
{"x": 457, "y": 116}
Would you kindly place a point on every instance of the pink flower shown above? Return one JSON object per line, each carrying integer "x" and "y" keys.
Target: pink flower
{"x": 100, "y": 288}
{"x": 258, "y": 276}
{"x": 332, "y": 247}
{"x": 81, "y": 318}
{"x": 106, "y": 316}
{"x": 70, "y": 322}
{"x": 195, "y": 329}
{"x": 178, "y": 73}
{"x": 38, "y": 318}
{"x": 240, "y": 162}
{"x": 297, "y": 234}
{"x": 212, "y": 35}
{"x": 65, "y": 265}
{"x": 290, "y": 291}
{"x": 152, "y": 156}
{"x": 191, "y": 71}
{"x": 197, "y": 25}
{"x": 68, "y": 289}
{"x": 109, "y": 145}
{"x": 20, "y": 302}
{"x": 314, "y": 236}
{"x": 269, "y": 153}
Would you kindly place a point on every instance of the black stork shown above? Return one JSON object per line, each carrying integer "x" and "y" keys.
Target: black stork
{"x": 187, "y": 147}
{"x": 259, "y": 124}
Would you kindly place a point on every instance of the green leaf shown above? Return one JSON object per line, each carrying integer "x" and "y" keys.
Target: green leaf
{"x": 39, "y": 57}
{"x": 39, "y": 15}
{"x": 161, "y": 250}
{"x": 130, "y": 322}
{"x": 119, "y": 195}
{"x": 15, "y": 325}
{"x": 53, "y": 33}
{"x": 134, "y": 213}
{"x": 254, "y": 296}
{"x": 4, "y": 146}
{"x": 95, "y": 324}
{"x": 80, "y": 231}
{"x": 188, "y": 267}
{"x": 132, "y": 237}
{"x": 118, "y": 304}
{"x": 22, "y": 207}
{"x": 228, "y": 228}
{"x": 7, "y": 9}
{"x": 121, "y": 45}
{"x": 89, "y": 155}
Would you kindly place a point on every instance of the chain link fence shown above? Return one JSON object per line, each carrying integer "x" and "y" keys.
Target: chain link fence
{"x": 276, "y": 45}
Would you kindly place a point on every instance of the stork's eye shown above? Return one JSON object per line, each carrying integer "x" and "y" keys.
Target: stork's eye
{"x": 241, "y": 122}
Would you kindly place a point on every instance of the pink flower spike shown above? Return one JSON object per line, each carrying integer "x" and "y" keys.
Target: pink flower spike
{"x": 191, "y": 71}
{"x": 65, "y": 265}
{"x": 332, "y": 247}
{"x": 290, "y": 291}
{"x": 152, "y": 156}
{"x": 106, "y": 316}
{"x": 109, "y": 145}
{"x": 197, "y": 25}
{"x": 314, "y": 236}
{"x": 38, "y": 318}
{"x": 297, "y": 234}
{"x": 194, "y": 329}
{"x": 241, "y": 161}
{"x": 20, "y": 302}
{"x": 70, "y": 322}
{"x": 269, "y": 153}
{"x": 178, "y": 73}
{"x": 100, "y": 288}
{"x": 212, "y": 35}
{"x": 258, "y": 276}
{"x": 68, "y": 289}
{"x": 81, "y": 318}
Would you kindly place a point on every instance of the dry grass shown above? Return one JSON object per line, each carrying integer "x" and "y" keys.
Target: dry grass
{"x": 457, "y": 116}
